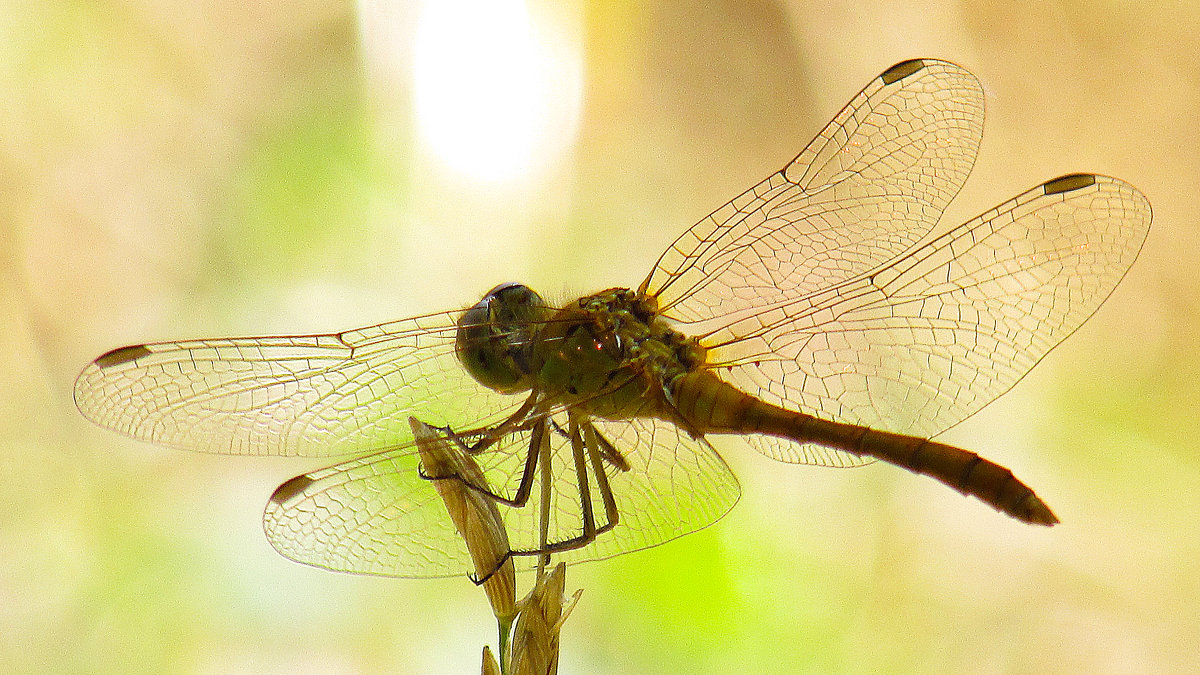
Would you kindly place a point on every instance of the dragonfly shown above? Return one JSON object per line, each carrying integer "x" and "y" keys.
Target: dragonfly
{"x": 821, "y": 315}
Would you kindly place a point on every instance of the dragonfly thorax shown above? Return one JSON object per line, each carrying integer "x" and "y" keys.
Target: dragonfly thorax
{"x": 603, "y": 349}
{"x": 608, "y": 351}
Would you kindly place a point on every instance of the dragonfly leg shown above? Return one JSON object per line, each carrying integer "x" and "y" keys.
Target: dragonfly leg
{"x": 584, "y": 454}
{"x": 606, "y": 449}
{"x": 479, "y": 581}
{"x": 539, "y": 454}
{"x": 578, "y": 454}
{"x": 546, "y": 547}
{"x": 488, "y": 436}
{"x": 600, "y": 450}
{"x": 589, "y": 450}
{"x": 558, "y": 429}
{"x": 547, "y": 476}
{"x": 524, "y": 488}
{"x": 515, "y": 422}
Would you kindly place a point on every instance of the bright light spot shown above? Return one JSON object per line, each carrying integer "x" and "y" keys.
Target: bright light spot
{"x": 496, "y": 91}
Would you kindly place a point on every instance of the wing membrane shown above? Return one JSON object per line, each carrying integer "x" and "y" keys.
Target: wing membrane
{"x": 377, "y": 515}
{"x": 868, "y": 187}
{"x": 314, "y": 396}
{"x": 927, "y": 340}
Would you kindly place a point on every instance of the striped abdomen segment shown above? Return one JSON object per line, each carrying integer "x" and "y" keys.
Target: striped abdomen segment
{"x": 711, "y": 405}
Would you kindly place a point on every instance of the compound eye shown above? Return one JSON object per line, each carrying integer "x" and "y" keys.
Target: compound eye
{"x": 495, "y": 337}
{"x": 508, "y": 288}
{"x": 484, "y": 353}
{"x": 514, "y": 302}
{"x": 476, "y": 319}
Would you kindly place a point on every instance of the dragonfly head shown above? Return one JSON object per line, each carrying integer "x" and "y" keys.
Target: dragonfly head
{"x": 495, "y": 337}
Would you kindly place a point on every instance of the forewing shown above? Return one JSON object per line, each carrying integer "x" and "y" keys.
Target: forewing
{"x": 924, "y": 342}
{"x": 868, "y": 187}
{"x": 379, "y": 515}
{"x": 315, "y": 395}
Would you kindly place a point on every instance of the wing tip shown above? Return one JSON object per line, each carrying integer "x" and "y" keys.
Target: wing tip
{"x": 1137, "y": 213}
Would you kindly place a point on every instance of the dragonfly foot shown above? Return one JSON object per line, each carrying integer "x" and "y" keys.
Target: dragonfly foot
{"x": 479, "y": 581}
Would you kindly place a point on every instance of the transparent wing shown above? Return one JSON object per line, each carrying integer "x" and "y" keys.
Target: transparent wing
{"x": 378, "y": 515}
{"x": 371, "y": 515}
{"x": 314, "y": 396}
{"x": 868, "y": 187}
{"x": 676, "y": 485}
{"x": 925, "y": 341}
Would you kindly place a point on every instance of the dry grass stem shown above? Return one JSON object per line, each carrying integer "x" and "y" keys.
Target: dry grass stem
{"x": 475, "y": 516}
{"x": 490, "y": 666}
{"x": 535, "y": 642}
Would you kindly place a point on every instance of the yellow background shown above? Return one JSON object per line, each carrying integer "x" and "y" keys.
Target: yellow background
{"x": 175, "y": 169}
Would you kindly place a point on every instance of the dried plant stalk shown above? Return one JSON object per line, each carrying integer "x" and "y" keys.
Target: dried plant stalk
{"x": 475, "y": 516}
{"x": 535, "y": 642}
{"x": 539, "y": 617}
{"x": 490, "y": 666}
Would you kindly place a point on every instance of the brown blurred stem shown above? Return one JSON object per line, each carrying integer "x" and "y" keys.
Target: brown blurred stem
{"x": 539, "y": 617}
{"x": 464, "y": 490}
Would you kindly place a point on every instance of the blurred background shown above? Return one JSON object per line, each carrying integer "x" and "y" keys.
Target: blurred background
{"x": 175, "y": 169}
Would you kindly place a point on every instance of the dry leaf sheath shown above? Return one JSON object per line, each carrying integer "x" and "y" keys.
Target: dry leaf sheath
{"x": 535, "y": 642}
{"x": 490, "y": 666}
{"x": 475, "y": 516}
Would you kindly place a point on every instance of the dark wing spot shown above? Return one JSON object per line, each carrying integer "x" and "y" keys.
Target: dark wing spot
{"x": 1069, "y": 182}
{"x": 901, "y": 70}
{"x": 122, "y": 355}
{"x": 290, "y": 489}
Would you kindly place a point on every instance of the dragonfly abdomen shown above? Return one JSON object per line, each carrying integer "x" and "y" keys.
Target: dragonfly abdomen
{"x": 711, "y": 405}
